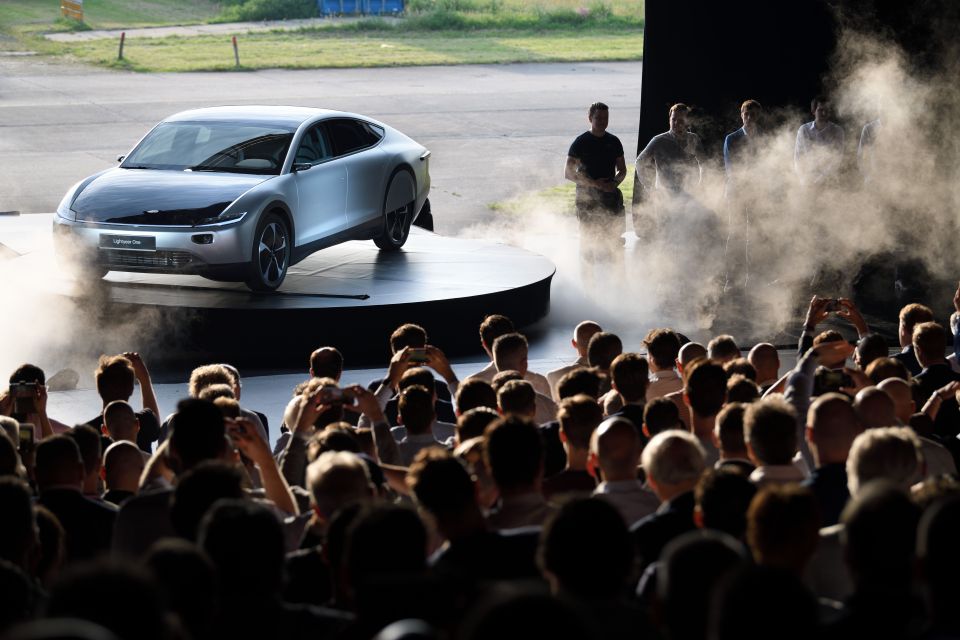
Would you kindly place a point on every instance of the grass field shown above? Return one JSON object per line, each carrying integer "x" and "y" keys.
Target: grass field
{"x": 557, "y": 199}
{"x": 434, "y": 32}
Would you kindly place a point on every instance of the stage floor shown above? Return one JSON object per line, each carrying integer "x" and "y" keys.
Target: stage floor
{"x": 340, "y": 295}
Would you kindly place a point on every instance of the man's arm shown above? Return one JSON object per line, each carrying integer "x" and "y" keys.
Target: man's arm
{"x": 848, "y": 311}
{"x": 621, "y": 173}
{"x": 816, "y": 313}
{"x": 571, "y": 172}
{"x": 243, "y": 433}
{"x": 147, "y": 394}
{"x": 387, "y": 450}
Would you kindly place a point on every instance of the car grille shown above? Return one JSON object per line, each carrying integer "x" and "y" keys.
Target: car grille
{"x": 147, "y": 260}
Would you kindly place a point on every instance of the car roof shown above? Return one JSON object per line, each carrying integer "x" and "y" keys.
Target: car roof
{"x": 290, "y": 116}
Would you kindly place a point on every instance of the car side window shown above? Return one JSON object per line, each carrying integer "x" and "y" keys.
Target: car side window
{"x": 350, "y": 135}
{"x": 314, "y": 147}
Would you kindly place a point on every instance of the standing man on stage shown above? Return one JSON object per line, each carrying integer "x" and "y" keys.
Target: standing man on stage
{"x": 595, "y": 163}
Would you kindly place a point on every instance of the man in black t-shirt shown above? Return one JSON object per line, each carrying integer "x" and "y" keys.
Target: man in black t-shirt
{"x": 595, "y": 163}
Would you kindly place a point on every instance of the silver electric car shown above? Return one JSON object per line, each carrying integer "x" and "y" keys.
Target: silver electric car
{"x": 241, "y": 193}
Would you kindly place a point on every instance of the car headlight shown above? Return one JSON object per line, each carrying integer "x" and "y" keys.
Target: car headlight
{"x": 63, "y": 209}
{"x": 224, "y": 218}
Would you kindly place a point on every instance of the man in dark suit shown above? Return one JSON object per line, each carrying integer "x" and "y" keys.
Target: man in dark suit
{"x": 630, "y": 373}
{"x": 929, "y": 347}
{"x": 60, "y": 474}
{"x": 832, "y": 426}
{"x": 673, "y": 461}
{"x": 910, "y": 316}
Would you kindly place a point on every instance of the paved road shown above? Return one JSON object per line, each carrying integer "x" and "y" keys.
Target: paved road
{"x": 495, "y": 130}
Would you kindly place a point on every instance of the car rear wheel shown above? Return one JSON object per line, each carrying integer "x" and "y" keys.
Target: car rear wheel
{"x": 398, "y": 211}
{"x": 271, "y": 254}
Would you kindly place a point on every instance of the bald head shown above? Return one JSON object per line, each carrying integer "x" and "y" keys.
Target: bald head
{"x": 832, "y": 426}
{"x": 615, "y": 447}
{"x": 690, "y": 352}
{"x": 875, "y": 408}
{"x": 123, "y": 463}
{"x": 582, "y": 334}
{"x": 765, "y": 360}
{"x": 120, "y": 421}
{"x": 902, "y": 396}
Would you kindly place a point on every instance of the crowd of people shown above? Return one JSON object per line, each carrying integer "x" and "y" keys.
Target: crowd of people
{"x": 676, "y": 490}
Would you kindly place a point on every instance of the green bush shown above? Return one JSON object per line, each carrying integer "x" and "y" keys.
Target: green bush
{"x": 250, "y": 10}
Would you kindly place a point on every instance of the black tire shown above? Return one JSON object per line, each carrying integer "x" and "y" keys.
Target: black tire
{"x": 396, "y": 223}
{"x": 270, "y": 254}
{"x": 425, "y": 219}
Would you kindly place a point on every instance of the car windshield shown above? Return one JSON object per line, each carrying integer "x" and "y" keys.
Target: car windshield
{"x": 213, "y": 146}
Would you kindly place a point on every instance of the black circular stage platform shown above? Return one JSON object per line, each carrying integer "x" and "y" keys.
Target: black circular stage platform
{"x": 351, "y": 296}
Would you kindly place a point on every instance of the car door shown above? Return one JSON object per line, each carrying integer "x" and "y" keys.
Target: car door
{"x": 321, "y": 180}
{"x": 358, "y": 143}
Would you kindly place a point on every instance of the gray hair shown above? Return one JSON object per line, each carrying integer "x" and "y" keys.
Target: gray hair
{"x": 673, "y": 457}
{"x": 336, "y": 479}
{"x": 889, "y": 453}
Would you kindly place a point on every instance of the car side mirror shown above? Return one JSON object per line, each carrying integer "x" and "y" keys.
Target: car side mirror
{"x": 301, "y": 166}
{"x": 120, "y": 158}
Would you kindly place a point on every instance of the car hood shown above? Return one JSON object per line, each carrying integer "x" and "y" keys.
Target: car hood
{"x": 156, "y": 197}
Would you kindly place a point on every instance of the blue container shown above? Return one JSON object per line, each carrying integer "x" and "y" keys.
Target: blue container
{"x": 360, "y": 7}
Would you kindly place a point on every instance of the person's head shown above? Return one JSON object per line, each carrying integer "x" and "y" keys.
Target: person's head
{"x": 187, "y": 583}
{"x": 58, "y": 464}
{"x": 722, "y": 498}
{"x": 691, "y": 567}
{"x": 331, "y": 414}
{"x": 673, "y": 461}
{"x": 237, "y": 385}
{"x": 783, "y": 525}
{"x": 339, "y": 436}
{"x": 492, "y": 327}
{"x": 869, "y": 348}
{"x": 471, "y": 424}
{"x": 603, "y": 348}
{"x": 584, "y": 380}
{"x": 198, "y": 489}
{"x": 679, "y": 113}
{"x": 661, "y": 414}
{"x": 832, "y": 426}
{"x": 901, "y": 393}
{"x": 663, "y": 346}
{"x": 688, "y": 353}
{"x": 910, "y": 316}
{"x": 120, "y": 421}
{"x": 417, "y": 375}
{"x": 586, "y": 551}
{"x": 766, "y": 361}
{"x": 887, "y": 453}
{"x": 19, "y": 535}
{"x": 754, "y": 602}
{"x": 615, "y": 450}
{"x": 630, "y": 376}
{"x": 207, "y": 375}
{"x": 122, "y": 465}
{"x": 475, "y": 393}
{"x": 441, "y": 486}
{"x": 879, "y": 536}
{"x": 408, "y": 335}
{"x": 728, "y": 431}
{"x": 88, "y": 440}
{"x": 336, "y": 479}
{"x": 875, "y": 408}
{"x": 750, "y": 113}
{"x": 503, "y": 377}
{"x": 114, "y": 377}
{"x": 705, "y": 387}
{"x": 416, "y": 410}
{"x": 53, "y": 546}
{"x": 578, "y": 417}
{"x": 830, "y": 336}
{"x": 929, "y": 343}
{"x": 214, "y": 392}
{"x": 820, "y": 108}
{"x": 514, "y": 454}
{"x": 582, "y": 334}
{"x": 197, "y": 433}
{"x": 599, "y": 116}
{"x": 9, "y": 458}
{"x": 740, "y": 366}
{"x": 742, "y": 389}
{"x": 326, "y": 362}
{"x": 118, "y": 596}
{"x": 770, "y": 431}
{"x": 884, "y": 368}
{"x": 723, "y": 349}
{"x": 510, "y": 353}
{"x": 229, "y": 533}
{"x": 517, "y": 397}
{"x": 28, "y": 373}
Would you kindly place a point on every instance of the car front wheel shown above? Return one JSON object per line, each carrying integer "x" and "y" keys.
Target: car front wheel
{"x": 271, "y": 254}
{"x": 398, "y": 211}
